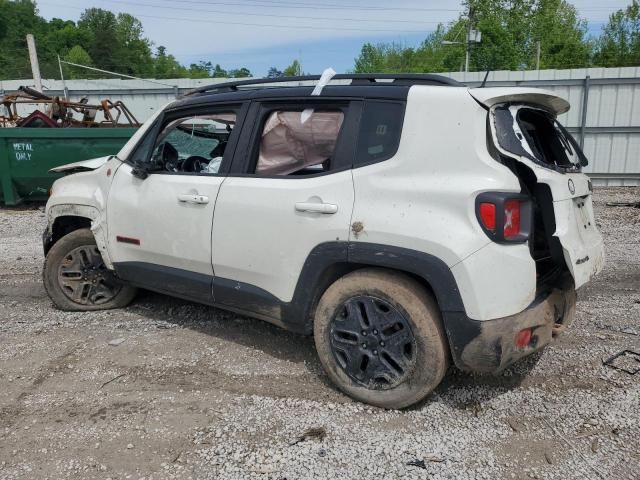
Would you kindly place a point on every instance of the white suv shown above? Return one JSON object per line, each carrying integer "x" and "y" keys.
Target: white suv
{"x": 404, "y": 220}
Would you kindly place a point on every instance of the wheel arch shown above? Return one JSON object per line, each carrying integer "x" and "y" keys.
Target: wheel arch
{"x": 63, "y": 219}
{"x": 63, "y": 225}
{"x": 330, "y": 261}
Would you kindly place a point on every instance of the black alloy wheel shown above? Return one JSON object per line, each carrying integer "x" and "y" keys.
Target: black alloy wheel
{"x": 373, "y": 343}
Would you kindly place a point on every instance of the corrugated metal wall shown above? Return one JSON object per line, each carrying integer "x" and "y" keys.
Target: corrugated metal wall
{"x": 604, "y": 115}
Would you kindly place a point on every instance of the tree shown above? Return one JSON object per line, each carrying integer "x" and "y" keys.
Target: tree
{"x": 371, "y": 60}
{"x": 562, "y": 36}
{"x": 219, "y": 72}
{"x": 293, "y": 70}
{"x": 166, "y": 66}
{"x": 76, "y": 55}
{"x": 17, "y": 18}
{"x": 100, "y": 27}
{"x": 134, "y": 50}
{"x": 274, "y": 73}
{"x": 100, "y": 38}
{"x": 511, "y": 30}
{"x": 619, "y": 44}
{"x": 200, "y": 70}
{"x": 240, "y": 73}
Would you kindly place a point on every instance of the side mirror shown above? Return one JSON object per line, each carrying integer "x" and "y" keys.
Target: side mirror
{"x": 140, "y": 172}
{"x": 156, "y": 162}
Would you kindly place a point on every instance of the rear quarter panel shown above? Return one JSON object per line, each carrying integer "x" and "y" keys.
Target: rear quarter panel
{"x": 424, "y": 197}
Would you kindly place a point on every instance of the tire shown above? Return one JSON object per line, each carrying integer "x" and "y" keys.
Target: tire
{"x": 401, "y": 336}
{"x": 76, "y": 278}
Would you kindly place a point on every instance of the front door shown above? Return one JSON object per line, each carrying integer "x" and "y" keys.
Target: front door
{"x": 290, "y": 190}
{"x": 159, "y": 232}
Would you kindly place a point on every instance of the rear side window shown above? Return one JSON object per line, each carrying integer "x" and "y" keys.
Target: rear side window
{"x": 380, "y": 129}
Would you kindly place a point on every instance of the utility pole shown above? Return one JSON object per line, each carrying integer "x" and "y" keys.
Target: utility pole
{"x": 467, "y": 41}
{"x": 64, "y": 84}
{"x": 538, "y": 57}
{"x": 35, "y": 66}
{"x": 473, "y": 36}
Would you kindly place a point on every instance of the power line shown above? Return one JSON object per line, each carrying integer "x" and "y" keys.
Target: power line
{"x": 313, "y": 6}
{"x": 334, "y": 6}
{"x": 223, "y": 12}
{"x": 265, "y": 25}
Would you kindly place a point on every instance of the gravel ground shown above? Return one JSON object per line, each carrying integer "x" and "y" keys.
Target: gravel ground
{"x": 170, "y": 389}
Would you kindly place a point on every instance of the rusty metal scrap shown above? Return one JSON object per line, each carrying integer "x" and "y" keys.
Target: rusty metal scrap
{"x": 60, "y": 112}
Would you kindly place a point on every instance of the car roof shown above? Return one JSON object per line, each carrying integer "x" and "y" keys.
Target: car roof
{"x": 378, "y": 86}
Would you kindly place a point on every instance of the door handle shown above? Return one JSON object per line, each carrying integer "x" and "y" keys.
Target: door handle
{"x": 193, "y": 198}
{"x": 313, "y": 207}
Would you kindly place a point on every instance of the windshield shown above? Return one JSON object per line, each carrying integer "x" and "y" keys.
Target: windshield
{"x": 535, "y": 133}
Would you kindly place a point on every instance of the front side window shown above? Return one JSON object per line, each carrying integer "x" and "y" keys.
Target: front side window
{"x": 298, "y": 142}
{"x": 193, "y": 144}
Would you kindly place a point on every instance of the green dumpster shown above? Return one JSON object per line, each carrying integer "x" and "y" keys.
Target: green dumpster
{"x": 27, "y": 154}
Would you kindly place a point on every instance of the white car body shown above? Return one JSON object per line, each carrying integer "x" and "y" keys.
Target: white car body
{"x": 254, "y": 235}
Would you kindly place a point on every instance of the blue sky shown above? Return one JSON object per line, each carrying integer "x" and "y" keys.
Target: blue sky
{"x": 259, "y": 34}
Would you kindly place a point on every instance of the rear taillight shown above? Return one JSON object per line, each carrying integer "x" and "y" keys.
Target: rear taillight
{"x": 524, "y": 337}
{"x": 511, "y": 218}
{"x": 504, "y": 217}
{"x": 488, "y": 215}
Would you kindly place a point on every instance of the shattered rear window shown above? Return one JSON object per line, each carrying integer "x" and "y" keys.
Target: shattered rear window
{"x": 535, "y": 134}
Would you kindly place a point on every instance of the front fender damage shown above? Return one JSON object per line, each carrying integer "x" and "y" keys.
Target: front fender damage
{"x": 98, "y": 225}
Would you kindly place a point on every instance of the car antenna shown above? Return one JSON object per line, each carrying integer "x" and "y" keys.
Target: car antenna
{"x": 484, "y": 82}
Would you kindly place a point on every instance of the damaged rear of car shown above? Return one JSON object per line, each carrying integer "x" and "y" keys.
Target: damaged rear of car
{"x": 528, "y": 138}
{"x": 553, "y": 213}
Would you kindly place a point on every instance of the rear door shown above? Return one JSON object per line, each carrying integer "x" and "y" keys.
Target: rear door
{"x": 290, "y": 189}
{"x": 532, "y": 135}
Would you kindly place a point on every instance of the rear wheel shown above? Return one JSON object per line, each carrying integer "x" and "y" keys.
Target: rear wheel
{"x": 76, "y": 278}
{"x": 379, "y": 337}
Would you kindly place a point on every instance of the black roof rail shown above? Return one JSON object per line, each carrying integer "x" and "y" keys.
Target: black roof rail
{"x": 357, "y": 79}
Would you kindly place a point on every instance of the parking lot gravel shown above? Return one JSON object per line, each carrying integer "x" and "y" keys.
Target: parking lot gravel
{"x": 168, "y": 389}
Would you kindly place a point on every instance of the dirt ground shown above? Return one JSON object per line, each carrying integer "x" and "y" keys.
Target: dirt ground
{"x": 171, "y": 389}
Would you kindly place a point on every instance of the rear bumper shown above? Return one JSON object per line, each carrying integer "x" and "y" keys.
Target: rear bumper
{"x": 490, "y": 345}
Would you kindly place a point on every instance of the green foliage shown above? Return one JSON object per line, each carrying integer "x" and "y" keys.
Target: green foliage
{"x": 274, "y": 73}
{"x": 100, "y": 38}
{"x": 240, "y": 73}
{"x": 219, "y": 72}
{"x": 166, "y": 66}
{"x": 293, "y": 70}
{"x": 619, "y": 44}
{"x": 511, "y": 30}
{"x": 17, "y": 18}
{"x": 76, "y": 55}
{"x": 200, "y": 70}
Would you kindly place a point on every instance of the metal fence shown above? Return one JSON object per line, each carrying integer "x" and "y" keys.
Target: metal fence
{"x": 604, "y": 115}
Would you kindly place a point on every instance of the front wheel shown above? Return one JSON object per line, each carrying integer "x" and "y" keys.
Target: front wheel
{"x": 76, "y": 278}
{"x": 379, "y": 337}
